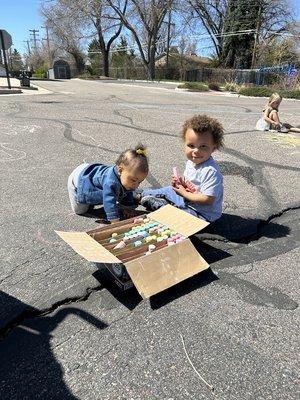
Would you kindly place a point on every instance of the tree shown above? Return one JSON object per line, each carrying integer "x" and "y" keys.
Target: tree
{"x": 212, "y": 16}
{"x": 225, "y": 21}
{"x": 66, "y": 29}
{"x": 273, "y": 23}
{"x": 16, "y": 63}
{"x": 105, "y": 23}
{"x": 35, "y": 60}
{"x": 144, "y": 21}
{"x": 279, "y": 51}
{"x": 95, "y": 57}
{"x": 120, "y": 56}
{"x": 123, "y": 62}
{"x": 238, "y": 45}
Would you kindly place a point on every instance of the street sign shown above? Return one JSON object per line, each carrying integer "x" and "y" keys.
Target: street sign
{"x": 5, "y": 44}
{"x": 7, "y": 41}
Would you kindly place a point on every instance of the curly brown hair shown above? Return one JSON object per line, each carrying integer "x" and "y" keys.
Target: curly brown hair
{"x": 202, "y": 124}
{"x": 134, "y": 158}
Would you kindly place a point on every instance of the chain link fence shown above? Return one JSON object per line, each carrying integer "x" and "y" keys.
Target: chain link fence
{"x": 260, "y": 77}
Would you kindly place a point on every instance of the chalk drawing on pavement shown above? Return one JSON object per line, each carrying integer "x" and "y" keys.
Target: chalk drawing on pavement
{"x": 77, "y": 131}
{"x": 284, "y": 140}
{"x": 14, "y": 130}
{"x": 8, "y": 154}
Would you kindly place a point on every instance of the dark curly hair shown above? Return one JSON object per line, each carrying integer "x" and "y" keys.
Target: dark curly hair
{"x": 202, "y": 124}
{"x": 134, "y": 158}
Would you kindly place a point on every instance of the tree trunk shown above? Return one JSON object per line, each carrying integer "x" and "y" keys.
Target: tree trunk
{"x": 151, "y": 65}
{"x": 105, "y": 63}
{"x": 78, "y": 60}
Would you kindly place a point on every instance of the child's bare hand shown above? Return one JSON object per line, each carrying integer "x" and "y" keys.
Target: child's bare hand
{"x": 174, "y": 181}
{"x": 190, "y": 187}
{"x": 128, "y": 213}
{"x": 180, "y": 190}
{"x": 181, "y": 180}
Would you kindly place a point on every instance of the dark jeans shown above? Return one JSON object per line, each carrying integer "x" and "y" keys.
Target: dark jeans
{"x": 173, "y": 198}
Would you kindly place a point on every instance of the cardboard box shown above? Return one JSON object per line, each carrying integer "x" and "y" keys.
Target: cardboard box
{"x": 151, "y": 273}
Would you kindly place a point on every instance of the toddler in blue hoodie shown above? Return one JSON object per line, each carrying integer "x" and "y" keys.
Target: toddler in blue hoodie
{"x": 93, "y": 184}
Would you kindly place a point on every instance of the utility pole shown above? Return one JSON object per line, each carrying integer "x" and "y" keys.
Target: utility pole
{"x": 168, "y": 38}
{"x": 48, "y": 45}
{"x": 34, "y": 34}
{"x": 256, "y": 35}
{"x": 9, "y": 53}
{"x": 28, "y": 46}
{"x": 29, "y": 54}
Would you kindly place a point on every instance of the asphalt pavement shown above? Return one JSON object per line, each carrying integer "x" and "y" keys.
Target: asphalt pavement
{"x": 230, "y": 332}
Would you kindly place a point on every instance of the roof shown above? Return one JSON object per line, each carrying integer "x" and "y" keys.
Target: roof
{"x": 192, "y": 58}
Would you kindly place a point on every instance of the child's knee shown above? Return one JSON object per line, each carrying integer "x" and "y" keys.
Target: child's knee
{"x": 273, "y": 114}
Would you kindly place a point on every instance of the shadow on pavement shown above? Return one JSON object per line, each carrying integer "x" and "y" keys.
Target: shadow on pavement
{"x": 211, "y": 255}
{"x": 271, "y": 297}
{"x": 239, "y": 229}
{"x": 181, "y": 289}
{"x": 29, "y": 369}
{"x": 130, "y": 298}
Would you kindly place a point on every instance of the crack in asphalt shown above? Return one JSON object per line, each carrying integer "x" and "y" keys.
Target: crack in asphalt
{"x": 29, "y": 314}
{"x": 42, "y": 253}
{"x": 245, "y": 240}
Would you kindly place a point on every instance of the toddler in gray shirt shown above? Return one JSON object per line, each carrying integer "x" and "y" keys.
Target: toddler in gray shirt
{"x": 200, "y": 190}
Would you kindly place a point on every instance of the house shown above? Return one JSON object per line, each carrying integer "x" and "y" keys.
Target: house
{"x": 191, "y": 61}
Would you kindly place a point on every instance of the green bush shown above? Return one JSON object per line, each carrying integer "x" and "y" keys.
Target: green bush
{"x": 267, "y": 91}
{"x": 194, "y": 86}
{"x": 290, "y": 94}
{"x": 41, "y": 72}
{"x": 214, "y": 86}
{"x": 256, "y": 91}
{"x": 231, "y": 87}
{"x": 39, "y": 75}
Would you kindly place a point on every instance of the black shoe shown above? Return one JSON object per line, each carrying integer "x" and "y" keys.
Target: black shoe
{"x": 137, "y": 196}
{"x": 152, "y": 203}
{"x": 283, "y": 129}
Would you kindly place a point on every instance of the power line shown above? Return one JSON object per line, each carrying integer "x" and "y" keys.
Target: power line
{"x": 34, "y": 34}
{"x": 28, "y": 46}
{"x": 227, "y": 34}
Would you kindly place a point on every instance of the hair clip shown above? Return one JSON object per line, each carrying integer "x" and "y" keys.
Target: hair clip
{"x": 141, "y": 152}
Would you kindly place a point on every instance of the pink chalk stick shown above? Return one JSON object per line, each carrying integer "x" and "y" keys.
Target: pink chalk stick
{"x": 175, "y": 172}
{"x": 120, "y": 245}
{"x": 137, "y": 220}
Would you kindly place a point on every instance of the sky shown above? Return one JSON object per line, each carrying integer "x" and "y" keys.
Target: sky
{"x": 18, "y": 16}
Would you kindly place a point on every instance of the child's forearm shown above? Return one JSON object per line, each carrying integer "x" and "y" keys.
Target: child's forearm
{"x": 271, "y": 121}
{"x": 199, "y": 198}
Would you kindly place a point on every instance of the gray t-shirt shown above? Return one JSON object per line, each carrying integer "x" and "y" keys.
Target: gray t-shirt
{"x": 208, "y": 180}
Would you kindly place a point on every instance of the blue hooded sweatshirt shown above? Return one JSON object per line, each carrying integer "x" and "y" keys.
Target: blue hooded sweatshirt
{"x": 100, "y": 184}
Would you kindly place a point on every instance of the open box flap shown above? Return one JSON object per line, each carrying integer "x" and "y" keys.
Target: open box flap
{"x": 178, "y": 220}
{"x": 87, "y": 247}
{"x": 164, "y": 268}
